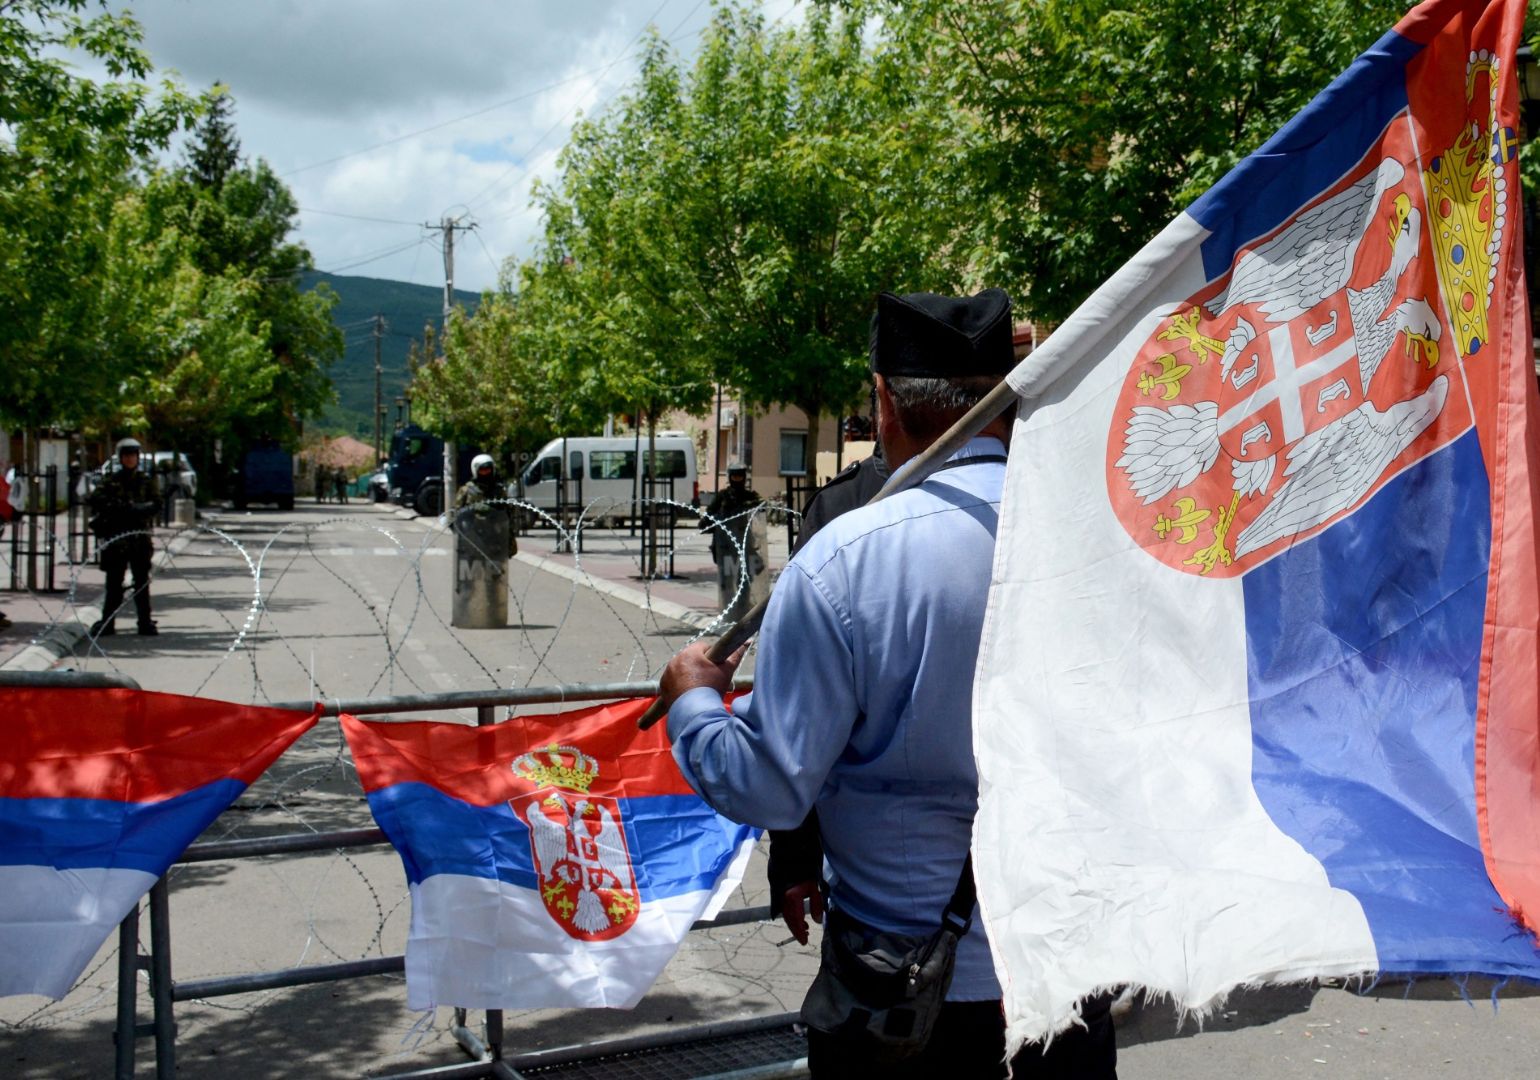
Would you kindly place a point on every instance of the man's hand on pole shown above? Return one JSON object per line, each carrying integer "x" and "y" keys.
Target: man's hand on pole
{"x": 691, "y": 668}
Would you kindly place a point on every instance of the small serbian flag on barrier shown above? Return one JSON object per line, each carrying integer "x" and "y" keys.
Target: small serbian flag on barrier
{"x": 100, "y": 792}
{"x": 553, "y": 861}
{"x": 1256, "y": 699}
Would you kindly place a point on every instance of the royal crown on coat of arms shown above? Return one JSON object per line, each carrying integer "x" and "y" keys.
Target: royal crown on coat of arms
{"x": 557, "y": 766}
{"x": 1467, "y": 199}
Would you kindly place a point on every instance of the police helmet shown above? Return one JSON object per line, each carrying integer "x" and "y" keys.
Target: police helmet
{"x": 479, "y": 462}
{"x": 128, "y": 446}
{"x": 737, "y": 467}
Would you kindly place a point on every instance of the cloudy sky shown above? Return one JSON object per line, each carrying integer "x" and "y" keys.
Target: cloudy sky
{"x": 406, "y": 110}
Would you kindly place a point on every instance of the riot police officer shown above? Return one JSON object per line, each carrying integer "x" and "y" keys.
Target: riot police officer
{"x": 483, "y": 487}
{"x": 123, "y": 507}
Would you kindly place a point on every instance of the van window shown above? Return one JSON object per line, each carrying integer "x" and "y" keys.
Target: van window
{"x": 548, "y": 468}
{"x": 670, "y": 464}
{"x": 612, "y": 465}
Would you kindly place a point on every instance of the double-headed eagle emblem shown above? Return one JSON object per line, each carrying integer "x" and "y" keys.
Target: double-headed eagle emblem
{"x": 582, "y": 862}
{"x": 1301, "y": 330}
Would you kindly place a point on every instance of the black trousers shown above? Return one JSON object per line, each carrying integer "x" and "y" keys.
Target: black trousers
{"x": 969, "y": 1042}
{"x": 125, "y": 554}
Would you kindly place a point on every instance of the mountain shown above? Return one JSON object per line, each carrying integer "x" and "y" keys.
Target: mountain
{"x": 407, "y": 309}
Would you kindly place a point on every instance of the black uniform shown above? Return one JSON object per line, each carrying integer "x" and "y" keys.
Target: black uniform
{"x": 123, "y": 507}
{"x": 722, "y": 518}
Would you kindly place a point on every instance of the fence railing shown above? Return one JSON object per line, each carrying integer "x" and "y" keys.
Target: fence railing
{"x": 487, "y": 1048}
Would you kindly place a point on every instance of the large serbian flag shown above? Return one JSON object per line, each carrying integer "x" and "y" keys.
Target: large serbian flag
{"x": 553, "y": 861}
{"x": 1257, "y": 694}
{"x": 100, "y": 791}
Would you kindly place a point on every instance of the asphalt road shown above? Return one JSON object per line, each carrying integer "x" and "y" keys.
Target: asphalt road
{"x": 357, "y": 604}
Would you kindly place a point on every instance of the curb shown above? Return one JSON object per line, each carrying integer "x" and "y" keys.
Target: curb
{"x": 58, "y": 641}
{"x": 666, "y": 608}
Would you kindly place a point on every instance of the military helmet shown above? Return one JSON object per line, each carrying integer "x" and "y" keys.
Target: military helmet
{"x": 478, "y": 461}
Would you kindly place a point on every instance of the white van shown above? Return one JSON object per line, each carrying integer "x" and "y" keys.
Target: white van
{"x": 600, "y": 474}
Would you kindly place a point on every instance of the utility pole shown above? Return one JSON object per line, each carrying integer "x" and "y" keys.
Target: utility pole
{"x": 447, "y": 225}
{"x": 379, "y": 404}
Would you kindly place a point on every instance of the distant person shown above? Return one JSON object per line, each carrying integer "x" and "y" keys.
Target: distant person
{"x": 321, "y": 480}
{"x": 732, "y": 544}
{"x": 340, "y": 484}
{"x": 124, "y": 506}
{"x": 484, "y": 489}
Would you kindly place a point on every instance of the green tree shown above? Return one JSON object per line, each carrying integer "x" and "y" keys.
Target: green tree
{"x": 214, "y": 150}
{"x": 487, "y": 389}
{"x": 1094, "y": 122}
{"x": 238, "y": 218}
{"x": 735, "y": 221}
{"x": 68, "y": 148}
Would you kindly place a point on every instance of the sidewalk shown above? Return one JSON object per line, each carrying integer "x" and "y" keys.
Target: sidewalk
{"x": 48, "y": 626}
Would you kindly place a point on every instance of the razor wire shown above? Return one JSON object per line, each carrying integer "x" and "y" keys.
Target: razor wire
{"x": 388, "y": 581}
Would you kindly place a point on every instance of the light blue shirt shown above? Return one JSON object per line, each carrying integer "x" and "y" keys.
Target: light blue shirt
{"x": 863, "y": 704}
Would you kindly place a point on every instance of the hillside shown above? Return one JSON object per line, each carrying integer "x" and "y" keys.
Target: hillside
{"x": 407, "y": 308}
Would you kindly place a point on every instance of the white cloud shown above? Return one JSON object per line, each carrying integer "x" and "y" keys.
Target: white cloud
{"x": 315, "y": 80}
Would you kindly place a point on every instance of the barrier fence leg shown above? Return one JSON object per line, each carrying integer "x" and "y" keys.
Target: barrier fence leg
{"x": 160, "y": 981}
{"x": 128, "y": 994}
{"x": 486, "y": 714}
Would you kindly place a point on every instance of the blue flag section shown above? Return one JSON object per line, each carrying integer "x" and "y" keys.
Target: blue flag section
{"x": 1257, "y": 697}
{"x": 553, "y": 861}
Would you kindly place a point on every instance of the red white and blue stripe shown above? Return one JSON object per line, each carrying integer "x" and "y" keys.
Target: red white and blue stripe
{"x": 488, "y": 929}
{"x": 1215, "y": 751}
{"x": 100, "y": 792}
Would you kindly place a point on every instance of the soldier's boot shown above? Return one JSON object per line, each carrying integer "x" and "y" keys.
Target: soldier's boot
{"x": 103, "y": 628}
{"x": 148, "y": 629}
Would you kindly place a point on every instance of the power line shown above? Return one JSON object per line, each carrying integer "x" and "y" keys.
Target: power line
{"x": 357, "y": 217}
{"x": 441, "y": 124}
{"x": 496, "y": 269}
{"x": 471, "y": 203}
{"x": 374, "y": 256}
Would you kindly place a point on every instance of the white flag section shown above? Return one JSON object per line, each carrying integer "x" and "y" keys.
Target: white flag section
{"x": 554, "y": 861}
{"x": 1248, "y": 593}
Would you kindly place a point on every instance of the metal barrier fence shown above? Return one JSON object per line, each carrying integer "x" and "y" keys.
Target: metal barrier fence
{"x": 487, "y": 1048}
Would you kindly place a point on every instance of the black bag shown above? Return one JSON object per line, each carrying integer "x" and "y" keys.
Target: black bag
{"x": 885, "y": 989}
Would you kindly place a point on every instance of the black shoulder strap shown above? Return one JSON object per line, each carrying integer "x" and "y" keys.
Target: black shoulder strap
{"x": 959, "y": 910}
{"x": 982, "y": 459}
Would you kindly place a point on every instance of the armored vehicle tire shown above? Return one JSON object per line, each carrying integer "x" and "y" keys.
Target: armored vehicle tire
{"x": 429, "y": 501}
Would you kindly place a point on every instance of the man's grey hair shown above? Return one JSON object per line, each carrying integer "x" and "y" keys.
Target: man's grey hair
{"x": 912, "y": 394}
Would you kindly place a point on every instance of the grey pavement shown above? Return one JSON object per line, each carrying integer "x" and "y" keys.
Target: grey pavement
{"x": 357, "y": 604}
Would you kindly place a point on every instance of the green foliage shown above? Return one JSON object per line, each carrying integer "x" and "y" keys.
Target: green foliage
{"x": 488, "y": 388}
{"x": 735, "y": 221}
{"x": 1099, "y": 120}
{"x": 66, "y": 158}
{"x": 214, "y": 151}
{"x": 166, "y": 303}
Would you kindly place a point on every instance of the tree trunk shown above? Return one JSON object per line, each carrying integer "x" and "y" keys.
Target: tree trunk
{"x": 813, "y": 414}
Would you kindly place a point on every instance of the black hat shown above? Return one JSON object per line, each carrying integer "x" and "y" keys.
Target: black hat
{"x": 942, "y": 337}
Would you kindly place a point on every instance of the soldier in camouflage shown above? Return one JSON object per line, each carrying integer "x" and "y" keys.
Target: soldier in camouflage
{"x": 123, "y": 508}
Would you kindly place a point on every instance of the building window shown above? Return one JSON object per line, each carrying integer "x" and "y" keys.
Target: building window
{"x": 793, "y": 453}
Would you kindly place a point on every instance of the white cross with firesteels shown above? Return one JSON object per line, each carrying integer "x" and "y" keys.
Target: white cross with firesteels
{"x": 1287, "y": 385}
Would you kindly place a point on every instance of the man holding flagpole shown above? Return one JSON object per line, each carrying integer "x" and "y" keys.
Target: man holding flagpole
{"x": 862, "y": 707}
